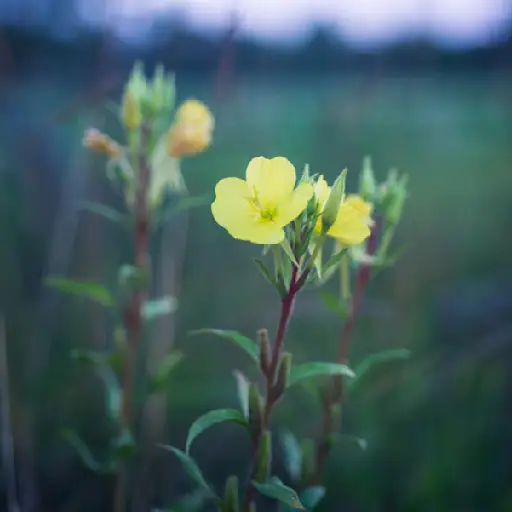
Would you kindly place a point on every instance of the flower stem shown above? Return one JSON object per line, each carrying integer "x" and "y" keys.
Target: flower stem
{"x": 132, "y": 312}
{"x": 334, "y": 396}
{"x": 287, "y": 304}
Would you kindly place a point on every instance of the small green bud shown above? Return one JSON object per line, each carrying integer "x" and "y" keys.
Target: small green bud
{"x": 255, "y": 408}
{"x": 264, "y": 458}
{"x": 283, "y": 372}
{"x": 367, "y": 185}
{"x": 332, "y": 205}
{"x": 397, "y": 201}
{"x": 162, "y": 91}
{"x": 264, "y": 344}
{"x": 231, "y": 494}
{"x": 305, "y": 178}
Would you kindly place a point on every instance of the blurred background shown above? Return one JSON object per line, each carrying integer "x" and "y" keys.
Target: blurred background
{"x": 423, "y": 86}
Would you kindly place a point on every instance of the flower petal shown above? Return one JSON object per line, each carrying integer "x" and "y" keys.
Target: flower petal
{"x": 350, "y": 227}
{"x": 294, "y": 205}
{"x": 233, "y": 211}
{"x": 357, "y": 202}
{"x": 273, "y": 179}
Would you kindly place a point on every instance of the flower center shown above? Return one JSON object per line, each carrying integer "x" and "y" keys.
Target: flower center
{"x": 262, "y": 213}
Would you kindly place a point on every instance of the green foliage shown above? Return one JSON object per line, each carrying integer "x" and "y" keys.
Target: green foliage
{"x": 113, "y": 392}
{"x": 242, "y": 386}
{"x": 267, "y": 274}
{"x": 210, "y": 419}
{"x": 385, "y": 356}
{"x": 332, "y": 302}
{"x": 159, "y": 307}
{"x": 333, "y": 261}
{"x": 105, "y": 211}
{"x": 309, "y": 370}
{"x": 242, "y": 341}
{"x": 85, "y": 289}
{"x": 292, "y": 454}
{"x": 276, "y": 490}
{"x": 83, "y": 451}
{"x": 122, "y": 448}
{"x": 160, "y": 379}
{"x": 192, "y": 469}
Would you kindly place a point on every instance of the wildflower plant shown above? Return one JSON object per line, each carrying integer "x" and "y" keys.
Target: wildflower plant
{"x": 296, "y": 223}
{"x": 145, "y": 170}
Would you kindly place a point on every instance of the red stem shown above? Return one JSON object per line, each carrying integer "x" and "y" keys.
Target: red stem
{"x": 132, "y": 312}
{"x": 287, "y": 304}
{"x": 335, "y": 394}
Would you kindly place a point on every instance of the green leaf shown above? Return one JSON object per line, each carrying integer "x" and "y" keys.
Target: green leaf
{"x": 334, "y": 260}
{"x": 113, "y": 392}
{"x": 159, "y": 307}
{"x": 288, "y": 251}
{"x": 386, "y": 356}
{"x": 276, "y": 490}
{"x": 332, "y": 302}
{"x": 104, "y": 211}
{"x": 83, "y": 451}
{"x": 210, "y": 419}
{"x": 266, "y": 273}
{"x": 312, "y": 496}
{"x": 86, "y": 289}
{"x": 91, "y": 357}
{"x": 292, "y": 454}
{"x": 183, "y": 204}
{"x": 123, "y": 448}
{"x": 242, "y": 341}
{"x": 191, "y": 468}
{"x": 242, "y": 386}
{"x": 309, "y": 370}
{"x": 161, "y": 376}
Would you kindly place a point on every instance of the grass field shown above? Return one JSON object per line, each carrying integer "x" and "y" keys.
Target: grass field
{"x": 437, "y": 428}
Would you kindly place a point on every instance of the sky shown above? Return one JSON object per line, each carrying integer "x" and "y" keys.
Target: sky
{"x": 363, "y": 23}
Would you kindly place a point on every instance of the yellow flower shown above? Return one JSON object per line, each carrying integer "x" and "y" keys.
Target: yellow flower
{"x": 352, "y": 225}
{"x": 257, "y": 209}
{"x": 192, "y": 129}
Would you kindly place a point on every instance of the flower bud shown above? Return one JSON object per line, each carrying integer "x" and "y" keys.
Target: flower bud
{"x": 398, "y": 199}
{"x": 264, "y": 345}
{"x": 255, "y": 408}
{"x": 101, "y": 143}
{"x": 367, "y": 183}
{"x": 131, "y": 114}
{"x": 264, "y": 458}
{"x": 162, "y": 91}
{"x": 332, "y": 205}
{"x": 231, "y": 494}
{"x": 192, "y": 129}
{"x": 283, "y": 372}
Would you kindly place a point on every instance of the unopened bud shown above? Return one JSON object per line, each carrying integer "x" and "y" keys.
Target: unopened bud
{"x": 131, "y": 114}
{"x": 397, "y": 201}
{"x": 264, "y": 458}
{"x": 255, "y": 408}
{"x": 231, "y": 494}
{"x": 264, "y": 345}
{"x": 283, "y": 372}
{"x": 162, "y": 91}
{"x": 367, "y": 183}
{"x": 101, "y": 143}
{"x": 332, "y": 205}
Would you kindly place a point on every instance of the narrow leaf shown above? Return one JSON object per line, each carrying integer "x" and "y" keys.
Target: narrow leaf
{"x": 332, "y": 302}
{"x": 386, "y": 356}
{"x": 83, "y": 451}
{"x": 210, "y": 419}
{"x": 242, "y": 385}
{"x": 161, "y": 376}
{"x": 86, "y": 289}
{"x": 91, "y": 357}
{"x": 312, "y": 496}
{"x": 334, "y": 260}
{"x": 113, "y": 392}
{"x": 191, "y": 467}
{"x": 266, "y": 273}
{"x": 276, "y": 490}
{"x": 242, "y": 341}
{"x": 104, "y": 211}
{"x": 309, "y": 370}
{"x": 159, "y": 307}
{"x": 292, "y": 454}
{"x": 288, "y": 251}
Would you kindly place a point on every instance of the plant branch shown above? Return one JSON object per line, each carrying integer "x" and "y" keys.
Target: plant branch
{"x": 287, "y": 304}
{"x": 132, "y": 312}
{"x": 334, "y": 395}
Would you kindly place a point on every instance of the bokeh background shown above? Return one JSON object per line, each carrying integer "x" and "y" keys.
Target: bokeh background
{"x": 423, "y": 86}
